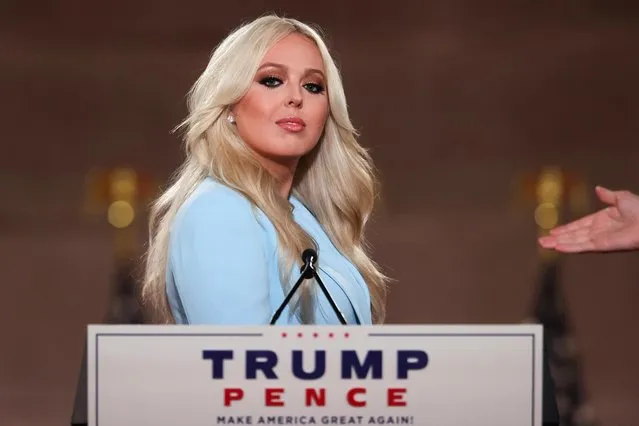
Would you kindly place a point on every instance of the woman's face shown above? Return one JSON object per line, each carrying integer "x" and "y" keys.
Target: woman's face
{"x": 282, "y": 115}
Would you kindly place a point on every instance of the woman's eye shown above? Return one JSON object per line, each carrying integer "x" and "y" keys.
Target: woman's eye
{"x": 314, "y": 88}
{"x": 270, "y": 81}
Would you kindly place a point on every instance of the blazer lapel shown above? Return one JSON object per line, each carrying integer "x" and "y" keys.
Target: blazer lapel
{"x": 356, "y": 298}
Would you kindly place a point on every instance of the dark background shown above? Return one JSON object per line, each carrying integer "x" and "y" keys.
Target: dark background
{"x": 456, "y": 99}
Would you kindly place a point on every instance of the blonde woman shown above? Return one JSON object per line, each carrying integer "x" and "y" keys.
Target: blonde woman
{"x": 272, "y": 168}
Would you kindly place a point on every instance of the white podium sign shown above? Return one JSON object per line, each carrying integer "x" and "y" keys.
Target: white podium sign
{"x": 461, "y": 375}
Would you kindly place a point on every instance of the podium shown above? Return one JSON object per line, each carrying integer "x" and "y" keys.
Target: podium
{"x": 417, "y": 374}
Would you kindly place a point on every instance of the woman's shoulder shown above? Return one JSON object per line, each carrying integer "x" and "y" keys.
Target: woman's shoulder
{"x": 213, "y": 204}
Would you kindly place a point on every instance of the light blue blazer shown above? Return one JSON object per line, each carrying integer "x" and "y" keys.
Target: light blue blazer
{"x": 223, "y": 265}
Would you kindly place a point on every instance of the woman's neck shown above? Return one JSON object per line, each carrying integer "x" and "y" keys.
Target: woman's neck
{"x": 284, "y": 174}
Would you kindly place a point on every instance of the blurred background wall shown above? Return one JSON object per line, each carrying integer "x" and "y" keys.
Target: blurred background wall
{"x": 458, "y": 101}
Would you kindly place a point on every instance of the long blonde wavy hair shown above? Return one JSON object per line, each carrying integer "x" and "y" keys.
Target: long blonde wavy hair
{"x": 336, "y": 181}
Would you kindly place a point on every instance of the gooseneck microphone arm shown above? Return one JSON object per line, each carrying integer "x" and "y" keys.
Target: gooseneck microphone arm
{"x": 328, "y": 296}
{"x": 305, "y": 273}
{"x": 309, "y": 257}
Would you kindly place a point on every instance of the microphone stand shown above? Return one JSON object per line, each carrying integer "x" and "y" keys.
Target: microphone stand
{"x": 308, "y": 272}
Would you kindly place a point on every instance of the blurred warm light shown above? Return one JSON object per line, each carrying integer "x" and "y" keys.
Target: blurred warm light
{"x": 546, "y": 215}
{"x": 550, "y": 186}
{"x": 123, "y": 184}
{"x": 120, "y": 214}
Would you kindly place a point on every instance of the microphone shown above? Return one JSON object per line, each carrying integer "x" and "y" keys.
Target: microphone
{"x": 309, "y": 257}
{"x": 307, "y": 271}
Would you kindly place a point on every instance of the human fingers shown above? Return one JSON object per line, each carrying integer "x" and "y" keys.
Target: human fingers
{"x": 575, "y": 225}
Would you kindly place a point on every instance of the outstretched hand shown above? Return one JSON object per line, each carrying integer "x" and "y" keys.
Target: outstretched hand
{"x": 614, "y": 228}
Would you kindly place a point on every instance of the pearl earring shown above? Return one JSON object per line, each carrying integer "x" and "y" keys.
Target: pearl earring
{"x": 230, "y": 118}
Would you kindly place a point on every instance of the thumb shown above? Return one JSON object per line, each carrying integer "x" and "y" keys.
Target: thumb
{"x": 606, "y": 195}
